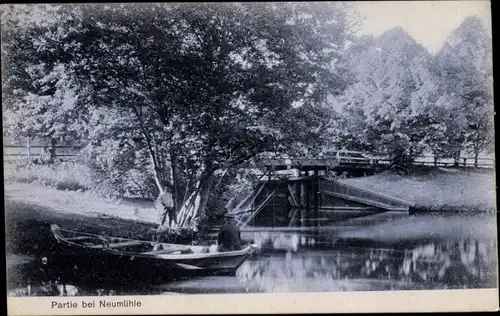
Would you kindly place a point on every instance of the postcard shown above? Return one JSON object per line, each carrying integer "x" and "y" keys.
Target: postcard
{"x": 240, "y": 158}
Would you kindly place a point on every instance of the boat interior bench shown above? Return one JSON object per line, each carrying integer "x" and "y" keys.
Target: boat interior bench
{"x": 166, "y": 251}
{"x": 80, "y": 238}
{"x": 120, "y": 244}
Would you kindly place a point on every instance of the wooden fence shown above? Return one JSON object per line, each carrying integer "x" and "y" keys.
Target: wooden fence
{"x": 12, "y": 153}
{"x": 483, "y": 162}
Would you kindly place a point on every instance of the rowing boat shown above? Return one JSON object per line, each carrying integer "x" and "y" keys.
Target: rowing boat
{"x": 130, "y": 256}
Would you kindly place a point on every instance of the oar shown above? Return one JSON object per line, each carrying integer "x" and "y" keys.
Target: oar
{"x": 188, "y": 266}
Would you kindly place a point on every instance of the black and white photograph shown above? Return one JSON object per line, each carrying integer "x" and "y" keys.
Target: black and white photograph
{"x": 159, "y": 149}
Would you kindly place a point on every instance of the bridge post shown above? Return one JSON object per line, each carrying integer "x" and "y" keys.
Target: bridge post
{"x": 308, "y": 201}
{"x": 302, "y": 202}
{"x": 315, "y": 187}
{"x": 299, "y": 202}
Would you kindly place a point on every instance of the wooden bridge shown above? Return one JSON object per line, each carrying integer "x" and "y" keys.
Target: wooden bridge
{"x": 357, "y": 161}
{"x": 307, "y": 192}
{"x": 309, "y": 197}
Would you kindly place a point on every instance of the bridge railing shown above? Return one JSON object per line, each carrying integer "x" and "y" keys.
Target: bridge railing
{"x": 462, "y": 162}
{"x": 361, "y": 158}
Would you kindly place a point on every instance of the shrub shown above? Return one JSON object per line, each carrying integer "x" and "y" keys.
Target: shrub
{"x": 120, "y": 171}
{"x": 62, "y": 175}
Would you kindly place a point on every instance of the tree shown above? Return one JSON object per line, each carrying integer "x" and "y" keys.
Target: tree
{"x": 465, "y": 64}
{"x": 380, "y": 110}
{"x": 40, "y": 99}
{"x": 207, "y": 86}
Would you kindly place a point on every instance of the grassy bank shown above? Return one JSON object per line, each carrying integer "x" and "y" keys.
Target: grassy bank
{"x": 437, "y": 189}
{"x": 67, "y": 189}
{"x": 71, "y": 176}
{"x": 34, "y": 200}
{"x": 31, "y": 208}
{"x": 27, "y": 226}
{"x": 429, "y": 188}
{"x": 84, "y": 203}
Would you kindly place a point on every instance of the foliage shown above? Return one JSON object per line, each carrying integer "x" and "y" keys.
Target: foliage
{"x": 41, "y": 99}
{"x": 194, "y": 88}
{"x": 379, "y": 110}
{"x": 178, "y": 97}
{"x": 465, "y": 62}
{"x": 402, "y": 101}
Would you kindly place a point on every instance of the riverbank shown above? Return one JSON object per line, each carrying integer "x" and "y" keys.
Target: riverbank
{"x": 437, "y": 189}
{"x": 30, "y": 208}
{"x": 27, "y": 228}
{"x": 429, "y": 188}
{"x": 82, "y": 203}
{"x": 30, "y": 205}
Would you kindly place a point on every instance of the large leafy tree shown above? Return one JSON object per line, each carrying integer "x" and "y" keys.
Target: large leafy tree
{"x": 196, "y": 87}
{"x": 402, "y": 100}
{"x": 40, "y": 100}
{"x": 464, "y": 65}
{"x": 379, "y": 111}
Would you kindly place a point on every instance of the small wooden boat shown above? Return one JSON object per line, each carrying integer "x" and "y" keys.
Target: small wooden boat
{"x": 125, "y": 256}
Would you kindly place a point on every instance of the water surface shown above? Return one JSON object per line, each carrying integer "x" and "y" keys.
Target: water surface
{"x": 360, "y": 258}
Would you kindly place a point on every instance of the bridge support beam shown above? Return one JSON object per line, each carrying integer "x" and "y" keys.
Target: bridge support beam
{"x": 303, "y": 203}
{"x": 315, "y": 187}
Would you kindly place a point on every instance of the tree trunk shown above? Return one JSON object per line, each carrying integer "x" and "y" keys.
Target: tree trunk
{"x": 456, "y": 157}
{"x": 193, "y": 207}
{"x": 52, "y": 150}
{"x": 173, "y": 179}
{"x": 476, "y": 158}
{"x": 28, "y": 145}
{"x": 154, "y": 153}
{"x": 157, "y": 175}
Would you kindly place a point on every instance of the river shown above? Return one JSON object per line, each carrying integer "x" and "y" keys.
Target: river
{"x": 456, "y": 253}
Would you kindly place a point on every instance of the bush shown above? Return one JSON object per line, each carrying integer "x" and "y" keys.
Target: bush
{"x": 77, "y": 176}
{"x": 62, "y": 175}
{"x": 120, "y": 171}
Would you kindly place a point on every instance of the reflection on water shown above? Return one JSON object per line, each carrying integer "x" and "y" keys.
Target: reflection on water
{"x": 282, "y": 241}
{"x": 434, "y": 265}
{"x": 464, "y": 264}
{"x": 306, "y": 261}
{"x": 48, "y": 289}
{"x": 58, "y": 289}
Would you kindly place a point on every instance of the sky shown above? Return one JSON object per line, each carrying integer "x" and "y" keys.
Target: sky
{"x": 428, "y": 22}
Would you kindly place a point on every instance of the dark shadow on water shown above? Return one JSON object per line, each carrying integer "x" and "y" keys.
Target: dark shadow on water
{"x": 433, "y": 265}
{"x": 47, "y": 279}
{"x": 301, "y": 261}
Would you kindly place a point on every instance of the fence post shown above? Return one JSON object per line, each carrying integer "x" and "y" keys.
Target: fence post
{"x": 28, "y": 144}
